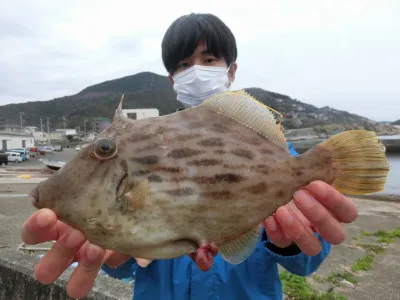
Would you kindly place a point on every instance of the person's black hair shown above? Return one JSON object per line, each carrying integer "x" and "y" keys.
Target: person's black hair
{"x": 185, "y": 33}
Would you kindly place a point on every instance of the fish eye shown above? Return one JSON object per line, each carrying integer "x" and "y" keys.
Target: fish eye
{"x": 105, "y": 149}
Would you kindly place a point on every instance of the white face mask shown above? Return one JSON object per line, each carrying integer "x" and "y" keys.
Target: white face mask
{"x": 197, "y": 83}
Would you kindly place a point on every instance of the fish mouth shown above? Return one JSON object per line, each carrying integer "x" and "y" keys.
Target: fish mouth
{"x": 121, "y": 185}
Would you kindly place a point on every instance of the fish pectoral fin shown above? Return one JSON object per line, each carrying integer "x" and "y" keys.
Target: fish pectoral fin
{"x": 136, "y": 197}
{"x": 237, "y": 250}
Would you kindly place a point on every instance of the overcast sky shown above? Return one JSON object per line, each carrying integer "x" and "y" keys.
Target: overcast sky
{"x": 345, "y": 54}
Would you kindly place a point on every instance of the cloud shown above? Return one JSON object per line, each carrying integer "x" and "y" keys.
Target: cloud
{"x": 338, "y": 53}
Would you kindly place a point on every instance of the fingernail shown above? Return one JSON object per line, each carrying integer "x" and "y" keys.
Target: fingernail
{"x": 43, "y": 219}
{"x": 92, "y": 252}
{"x": 74, "y": 239}
{"x": 304, "y": 199}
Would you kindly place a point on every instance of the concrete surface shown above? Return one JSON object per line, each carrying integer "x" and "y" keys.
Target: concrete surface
{"x": 17, "y": 282}
{"x": 382, "y": 281}
{"x": 16, "y": 267}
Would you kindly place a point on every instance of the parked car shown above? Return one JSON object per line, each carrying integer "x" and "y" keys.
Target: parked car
{"x": 45, "y": 149}
{"x": 58, "y": 148}
{"x": 3, "y": 159}
{"x": 14, "y": 157}
{"x": 23, "y": 151}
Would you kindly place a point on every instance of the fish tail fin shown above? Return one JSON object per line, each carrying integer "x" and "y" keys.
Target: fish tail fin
{"x": 359, "y": 161}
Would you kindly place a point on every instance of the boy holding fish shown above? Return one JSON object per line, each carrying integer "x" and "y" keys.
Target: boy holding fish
{"x": 199, "y": 53}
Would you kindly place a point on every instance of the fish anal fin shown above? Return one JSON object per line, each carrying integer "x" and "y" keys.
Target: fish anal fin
{"x": 239, "y": 249}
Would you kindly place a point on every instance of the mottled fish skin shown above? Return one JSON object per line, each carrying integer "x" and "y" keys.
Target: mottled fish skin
{"x": 209, "y": 178}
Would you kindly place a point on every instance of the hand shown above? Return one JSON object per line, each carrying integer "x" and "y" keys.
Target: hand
{"x": 70, "y": 246}
{"x": 317, "y": 207}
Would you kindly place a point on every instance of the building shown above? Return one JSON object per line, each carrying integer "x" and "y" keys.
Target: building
{"x": 140, "y": 113}
{"x": 11, "y": 128}
{"x": 14, "y": 140}
{"x": 30, "y": 129}
{"x": 99, "y": 124}
{"x": 42, "y": 138}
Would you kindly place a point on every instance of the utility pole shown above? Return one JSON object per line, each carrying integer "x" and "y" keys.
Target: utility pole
{"x": 84, "y": 125}
{"x": 20, "y": 118}
{"x": 41, "y": 124}
{"x": 48, "y": 127}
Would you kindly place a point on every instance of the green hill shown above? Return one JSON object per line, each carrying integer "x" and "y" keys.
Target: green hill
{"x": 150, "y": 90}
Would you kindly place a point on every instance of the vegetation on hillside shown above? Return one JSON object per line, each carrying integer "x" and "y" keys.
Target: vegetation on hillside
{"x": 150, "y": 90}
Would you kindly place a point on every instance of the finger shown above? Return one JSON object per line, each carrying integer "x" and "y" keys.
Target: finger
{"x": 115, "y": 259}
{"x": 299, "y": 214}
{"x": 275, "y": 233}
{"x": 143, "y": 262}
{"x": 41, "y": 226}
{"x": 59, "y": 257}
{"x": 326, "y": 224}
{"x": 342, "y": 207}
{"x": 297, "y": 232}
{"x": 83, "y": 277}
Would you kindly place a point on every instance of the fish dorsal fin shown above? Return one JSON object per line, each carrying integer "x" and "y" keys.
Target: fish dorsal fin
{"x": 249, "y": 111}
{"x": 237, "y": 250}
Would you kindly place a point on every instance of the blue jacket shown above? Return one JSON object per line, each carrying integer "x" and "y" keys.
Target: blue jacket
{"x": 255, "y": 278}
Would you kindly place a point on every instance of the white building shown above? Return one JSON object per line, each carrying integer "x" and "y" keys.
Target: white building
{"x": 14, "y": 140}
{"x": 140, "y": 113}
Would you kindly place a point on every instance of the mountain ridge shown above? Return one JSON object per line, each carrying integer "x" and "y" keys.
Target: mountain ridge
{"x": 151, "y": 90}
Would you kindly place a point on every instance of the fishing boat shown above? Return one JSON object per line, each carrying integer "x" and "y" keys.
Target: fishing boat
{"x": 53, "y": 164}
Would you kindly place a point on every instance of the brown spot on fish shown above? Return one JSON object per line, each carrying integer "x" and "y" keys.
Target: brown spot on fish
{"x": 151, "y": 146}
{"x": 267, "y": 151}
{"x": 243, "y": 153}
{"x": 146, "y": 160}
{"x": 220, "y": 152}
{"x": 139, "y": 173}
{"x": 261, "y": 169}
{"x": 298, "y": 173}
{"x": 168, "y": 169}
{"x": 211, "y": 142}
{"x": 186, "y": 137}
{"x": 139, "y": 137}
{"x": 224, "y": 177}
{"x": 229, "y": 177}
{"x": 256, "y": 189}
{"x": 280, "y": 193}
{"x": 155, "y": 178}
{"x": 251, "y": 140}
{"x": 236, "y": 166}
{"x": 184, "y": 153}
{"x": 181, "y": 192}
{"x": 195, "y": 124}
{"x": 204, "y": 162}
{"x": 217, "y": 194}
{"x": 99, "y": 211}
{"x": 217, "y": 127}
{"x": 122, "y": 143}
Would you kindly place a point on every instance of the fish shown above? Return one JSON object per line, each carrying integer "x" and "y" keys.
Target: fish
{"x": 163, "y": 187}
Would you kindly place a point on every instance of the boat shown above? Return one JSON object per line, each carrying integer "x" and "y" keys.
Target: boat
{"x": 53, "y": 164}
